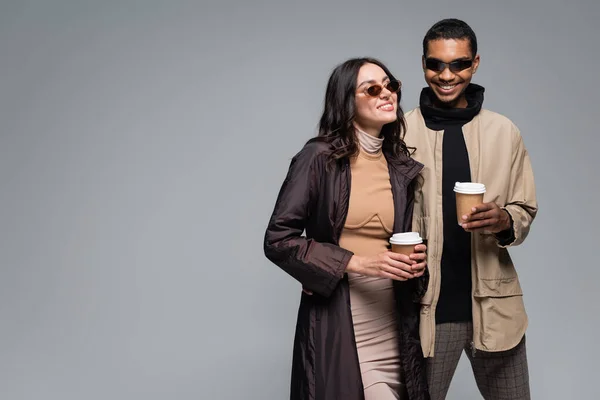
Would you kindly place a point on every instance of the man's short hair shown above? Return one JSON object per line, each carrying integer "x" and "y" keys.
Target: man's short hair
{"x": 450, "y": 28}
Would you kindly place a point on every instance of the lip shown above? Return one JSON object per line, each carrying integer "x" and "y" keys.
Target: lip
{"x": 385, "y": 104}
{"x": 454, "y": 88}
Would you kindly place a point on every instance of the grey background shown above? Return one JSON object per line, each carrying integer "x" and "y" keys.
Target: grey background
{"x": 142, "y": 144}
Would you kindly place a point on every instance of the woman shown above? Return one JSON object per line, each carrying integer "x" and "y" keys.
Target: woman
{"x": 350, "y": 188}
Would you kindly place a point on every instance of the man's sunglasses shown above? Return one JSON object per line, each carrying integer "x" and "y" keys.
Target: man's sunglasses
{"x": 436, "y": 65}
{"x": 376, "y": 89}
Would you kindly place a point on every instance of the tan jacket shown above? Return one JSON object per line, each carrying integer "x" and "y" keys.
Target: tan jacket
{"x": 499, "y": 160}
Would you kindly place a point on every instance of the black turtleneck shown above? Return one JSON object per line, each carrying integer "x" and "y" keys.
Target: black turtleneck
{"x": 454, "y": 304}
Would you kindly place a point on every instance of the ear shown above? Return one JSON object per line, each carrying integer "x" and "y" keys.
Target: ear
{"x": 476, "y": 61}
{"x": 423, "y": 63}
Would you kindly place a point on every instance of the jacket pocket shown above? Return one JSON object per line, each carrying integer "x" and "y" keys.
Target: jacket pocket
{"x": 501, "y": 313}
{"x": 504, "y": 287}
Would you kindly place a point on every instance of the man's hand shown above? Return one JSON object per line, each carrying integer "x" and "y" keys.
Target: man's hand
{"x": 486, "y": 217}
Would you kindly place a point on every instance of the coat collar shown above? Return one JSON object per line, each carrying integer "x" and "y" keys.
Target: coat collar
{"x": 404, "y": 165}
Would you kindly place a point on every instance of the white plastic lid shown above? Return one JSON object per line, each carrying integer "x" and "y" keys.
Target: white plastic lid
{"x": 406, "y": 238}
{"x": 469, "y": 188}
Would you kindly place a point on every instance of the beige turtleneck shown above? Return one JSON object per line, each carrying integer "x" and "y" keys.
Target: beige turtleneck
{"x": 369, "y": 143}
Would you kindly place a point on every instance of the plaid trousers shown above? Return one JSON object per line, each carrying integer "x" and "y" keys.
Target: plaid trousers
{"x": 499, "y": 376}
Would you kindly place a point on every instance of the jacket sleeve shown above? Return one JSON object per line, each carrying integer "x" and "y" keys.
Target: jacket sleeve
{"x": 521, "y": 201}
{"x": 316, "y": 265}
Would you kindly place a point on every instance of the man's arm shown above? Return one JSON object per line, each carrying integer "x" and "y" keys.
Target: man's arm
{"x": 522, "y": 203}
{"x": 511, "y": 222}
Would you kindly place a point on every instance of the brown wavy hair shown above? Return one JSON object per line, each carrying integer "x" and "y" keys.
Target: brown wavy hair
{"x": 336, "y": 124}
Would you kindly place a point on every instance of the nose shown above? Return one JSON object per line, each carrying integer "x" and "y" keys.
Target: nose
{"x": 385, "y": 93}
{"x": 446, "y": 74}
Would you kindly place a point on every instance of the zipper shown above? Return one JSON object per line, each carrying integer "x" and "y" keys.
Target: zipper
{"x": 473, "y": 286}
{"x": 438, "y": 260}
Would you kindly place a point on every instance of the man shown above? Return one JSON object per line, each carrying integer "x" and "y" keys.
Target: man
{"x": 474, "y": 301}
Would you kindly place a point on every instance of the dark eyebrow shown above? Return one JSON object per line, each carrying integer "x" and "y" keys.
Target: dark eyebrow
{"x": 387, "y": 78}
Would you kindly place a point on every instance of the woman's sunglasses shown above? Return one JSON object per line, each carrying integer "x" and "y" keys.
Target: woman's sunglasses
{"x": 436, "y": 65}
{"x": 376, "y": 89}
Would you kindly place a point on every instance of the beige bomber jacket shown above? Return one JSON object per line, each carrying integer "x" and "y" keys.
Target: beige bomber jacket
{"x": 498, "y": 159}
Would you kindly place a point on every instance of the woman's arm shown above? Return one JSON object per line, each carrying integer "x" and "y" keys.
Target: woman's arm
{"x": 317, "y": 266}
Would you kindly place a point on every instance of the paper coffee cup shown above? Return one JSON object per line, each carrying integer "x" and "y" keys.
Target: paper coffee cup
{"x": 468, "y": 195}
{"x": 404, "y": 243}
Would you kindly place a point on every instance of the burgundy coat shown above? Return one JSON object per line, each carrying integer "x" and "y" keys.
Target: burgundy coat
{"x": 314, "y": 199}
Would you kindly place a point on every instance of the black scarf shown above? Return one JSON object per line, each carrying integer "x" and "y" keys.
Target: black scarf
{"x": 436, "y": 117}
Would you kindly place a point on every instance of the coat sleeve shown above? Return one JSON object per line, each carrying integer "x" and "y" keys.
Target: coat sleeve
{"x": 521, "y": 201}
{"x": 316, "y": 265}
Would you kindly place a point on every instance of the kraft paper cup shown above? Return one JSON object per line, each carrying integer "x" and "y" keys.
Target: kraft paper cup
{"x": 468, "y": 195}
{"x": 404, "y": 243}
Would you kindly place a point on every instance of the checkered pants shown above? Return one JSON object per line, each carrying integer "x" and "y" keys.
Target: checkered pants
{"x": 499, "y": 376}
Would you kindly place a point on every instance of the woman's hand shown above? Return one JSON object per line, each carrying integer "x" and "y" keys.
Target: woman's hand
{"x": 420, "y": 259}
{"x": 396, "y": 266}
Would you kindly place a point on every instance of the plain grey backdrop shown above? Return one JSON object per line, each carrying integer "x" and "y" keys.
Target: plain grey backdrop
{"x": 142, "y": 144}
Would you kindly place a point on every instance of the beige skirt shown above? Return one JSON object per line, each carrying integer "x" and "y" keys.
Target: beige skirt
{"x": 376, "y": 332}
